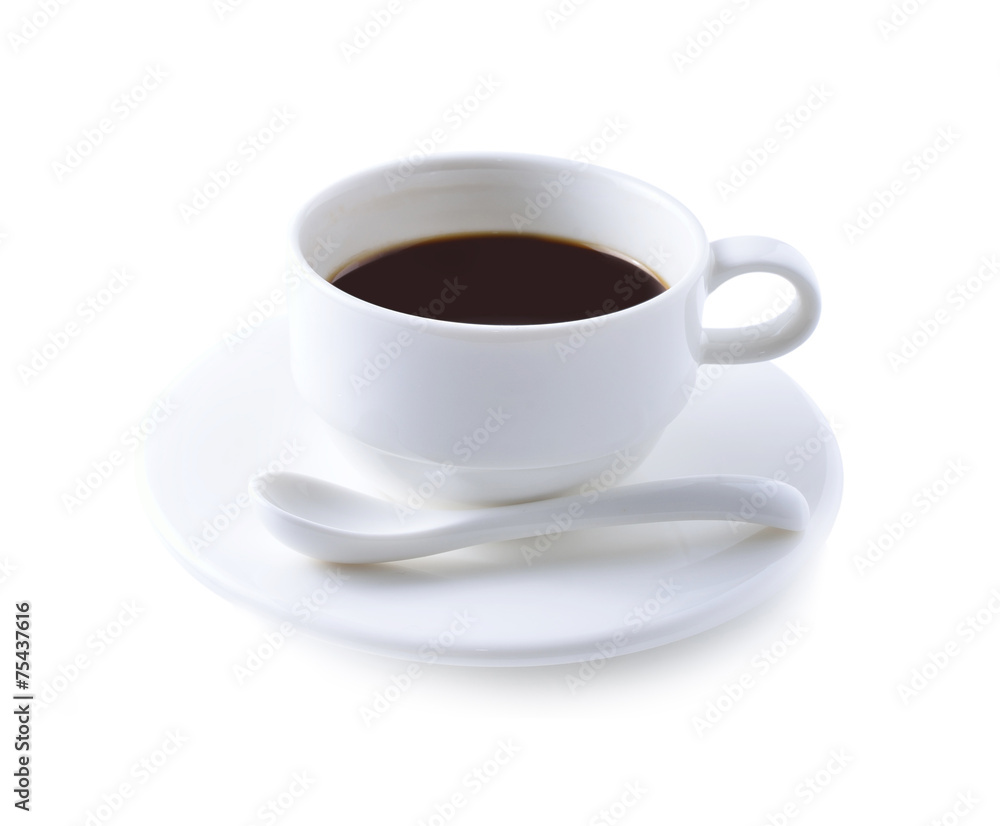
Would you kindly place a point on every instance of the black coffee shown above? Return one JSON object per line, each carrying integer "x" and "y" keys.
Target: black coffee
{"x": 499, "y": 279}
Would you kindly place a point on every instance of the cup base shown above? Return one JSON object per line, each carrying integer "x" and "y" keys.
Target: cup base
{"x": 416, "y": 483}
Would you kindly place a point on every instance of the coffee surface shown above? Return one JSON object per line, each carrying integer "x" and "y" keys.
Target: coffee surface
{"x": 499, "y": 279}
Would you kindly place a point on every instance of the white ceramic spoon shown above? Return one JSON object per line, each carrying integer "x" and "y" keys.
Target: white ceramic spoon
{"x": 337, "y": 524}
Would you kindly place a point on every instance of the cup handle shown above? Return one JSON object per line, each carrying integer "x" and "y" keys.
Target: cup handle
{"x": 760, "y": 342}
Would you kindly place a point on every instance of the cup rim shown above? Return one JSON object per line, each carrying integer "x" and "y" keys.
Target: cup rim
{"x": 451, "y": 161}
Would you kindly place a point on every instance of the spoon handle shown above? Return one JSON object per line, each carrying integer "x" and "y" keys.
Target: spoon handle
{"x": 328, "y": 522}
{"x": 735, "y": 498}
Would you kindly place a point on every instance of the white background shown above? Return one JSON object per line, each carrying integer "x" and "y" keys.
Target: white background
{"x": 63, "y": 232}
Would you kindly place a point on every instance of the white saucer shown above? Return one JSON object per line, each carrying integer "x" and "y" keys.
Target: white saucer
{"x": 591, "y": 594}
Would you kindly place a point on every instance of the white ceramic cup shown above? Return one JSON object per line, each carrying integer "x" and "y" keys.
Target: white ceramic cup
{"x": 479, "y": 413}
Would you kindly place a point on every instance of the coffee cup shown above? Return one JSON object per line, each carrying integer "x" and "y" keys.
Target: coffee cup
{"x": 458, "y": 413}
